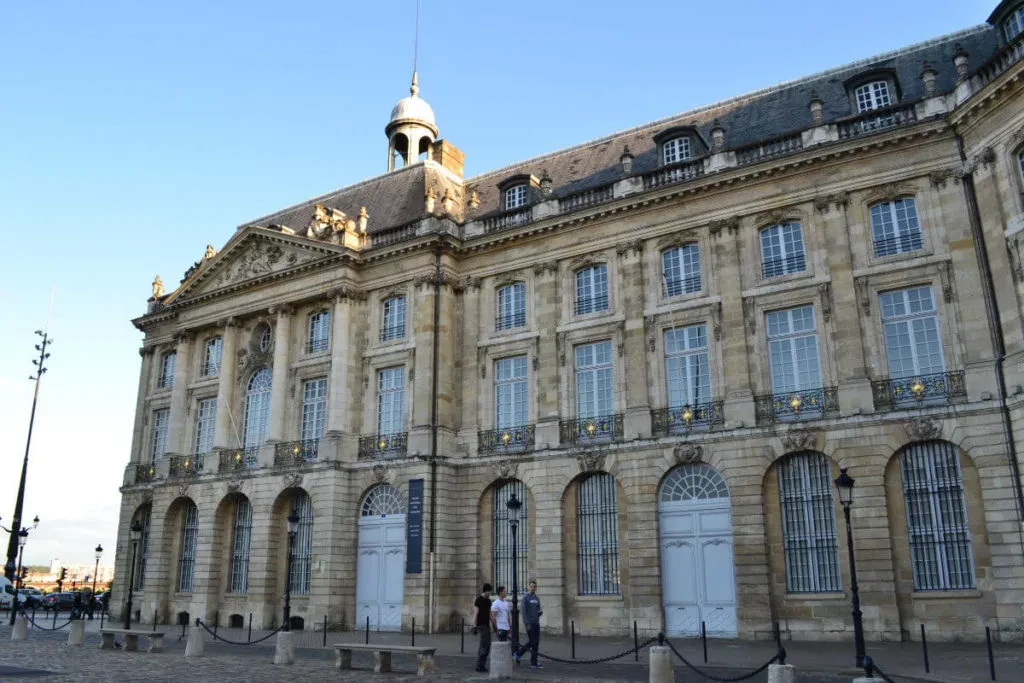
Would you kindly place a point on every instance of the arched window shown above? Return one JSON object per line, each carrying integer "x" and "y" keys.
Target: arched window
{"x": 937, "y": 529}
{"x": 693, "y": 482}
{"x": 597, "y": 535}
{"x": 592, "y": 289}
{"x": 189, "y": 537}
{"x": 809, "y": 524}
{"x": 874, "y": 95}
{"x": 240, "y": 546}
{"x": 894, "y": 227}
{"x": 382, "y": 501}
{"x": 782, "y": 250}
{"x": 503, "y": 535}
{"x": 675, "y": 150}
{"x": 680, "y": 270}
{"x": 511, "y": 306}
{"x": 264, "y": 337}
{"x": 319, "y": 332}
{"x": 140, "y": 571}
{"x": 257, "y": 408}
{"x": 302, "y": 550}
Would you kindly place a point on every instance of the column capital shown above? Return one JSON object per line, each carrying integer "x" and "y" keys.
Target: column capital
{"x": 281, "y": 310}
{"x": 830, "y": 202}
{"x": 545, "y": 268}
{"x": 230, "y": 321}
{"x": 184, "y": 337}
{"x": 348, "y": 295}
{"x": 146, "y": 351}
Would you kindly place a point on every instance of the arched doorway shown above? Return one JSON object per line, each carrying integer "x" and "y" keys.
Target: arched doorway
{"x": 697, "y": 578}
{"x": 381, "y": 559}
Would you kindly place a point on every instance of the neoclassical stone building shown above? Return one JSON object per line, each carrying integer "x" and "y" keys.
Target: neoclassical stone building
{"x": 666, "y": 343}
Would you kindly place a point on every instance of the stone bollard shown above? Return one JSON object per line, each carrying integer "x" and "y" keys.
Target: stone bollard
{"x": 76, "y": 635}
{"x": 781, "y": 673}
{"x": 501, "y": 659}
{"x": 20, "y": 630}
{"x": 284, "y": 651}
{"x": 195, "y": 644}
{"x": 661, "y": 665}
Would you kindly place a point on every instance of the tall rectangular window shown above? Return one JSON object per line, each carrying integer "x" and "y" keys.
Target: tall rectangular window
{"x": 594, "y": 383}
{"x": 793, "y": 350}
{"x": 161, "y": 419}
{"x": 302, "y": 550}
{"x": 206, "y": 419}
{"x": 597, "y": 525}
{"x": 391, "y": 401}
{"x": 314, "y": 408}
{"x": 189, "y": 537}
{"x": 503, "y": 533}
{"x": 515, "y": 197}
{"x": 392, "y": 324}
{"x": 592, "y": 289}
{"x": 211, "y": 356}
{"x": 240, "y": 547}
{"x": 686, "y": 366}
{"x": 510, "y": 389}
{"x": 680, "y": 270}
{"x": 912, "y": 344}
{"x": 894, "y": 227}
{"x": 319, "y": 334}
{"x": 511, "y": 306}
{"x": 167, "y": 364}
{"x": 140, "y": 574}
{"x": 809, "y": 524}
{"x": 1013, "y": 26}
{"x": 782, "y": 250}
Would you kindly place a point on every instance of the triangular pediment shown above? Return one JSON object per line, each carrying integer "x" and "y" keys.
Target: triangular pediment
{"x": 253, "y": 255}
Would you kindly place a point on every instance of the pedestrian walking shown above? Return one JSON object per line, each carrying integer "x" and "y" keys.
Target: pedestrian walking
{"x": 482, "y": 626}
{"x": 531, "y": 619}
{"x": 500, "y": 613}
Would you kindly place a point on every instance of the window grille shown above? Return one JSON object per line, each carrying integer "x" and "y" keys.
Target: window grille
{"x": 319, "y": 332}
{"x": 1014, "y": 24}
{"x": 240, "y": 548}
{"x": 693, "y": 482}
{"x": 592, "y": 289}
{"x": 390, "y": 401}
{"x": 393, "y": 319}
{"x": 140, "y": 573}
{"x": 912, "y": 343}
{"x": 383, "y": 500}
{"x": 809, "y": 524}
{"x": 874, "y": 95}
{"x": 940, "y": 538}
{"x": 680, "y": 268}
{"x": 503, "y": 535}
{"x": 167, "y": 364}
{"x": 675, "y": 150}
{"x": 206, "y": 419}
{"x": 793, "y": 350}
{"x": 597, "y": 523}
{"x": 782, "y": 250}
{"x": 511, "y": 306}
{"x": 314, "y": 408}
{"x": 510, "y": 391}
{"x": 895, "y": 228}
{"x": 515, "y": 197}
{"x": 594, "y": 394}
{"x": 211, "y": 356}
{"x": 299, "y": 579}
{"x": 160, "y": 421}
{"x": 686, "y": 366}
{"x": 189, "y": 536}
{"x": 257, "y": 409}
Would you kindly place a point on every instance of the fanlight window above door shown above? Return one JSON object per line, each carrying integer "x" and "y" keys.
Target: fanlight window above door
{"x": 383, "y": 500}
{"x": 693, "y": 482}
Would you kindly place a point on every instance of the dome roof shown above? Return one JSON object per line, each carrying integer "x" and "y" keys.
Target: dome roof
{"x": 413, "y": 109}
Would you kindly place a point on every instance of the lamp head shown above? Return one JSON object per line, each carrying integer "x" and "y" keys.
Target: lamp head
{"x": 293, "y": 522}
{"x": 844, "y": 486}
{"x": 35, "y": 522}
{"x": 514, "y": 506}
{"x": 135, "y": 532}
{"x": 99, "y": 552}
{"x": 22, "y": 538}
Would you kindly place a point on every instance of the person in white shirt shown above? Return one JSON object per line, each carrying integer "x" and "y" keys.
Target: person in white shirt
{"x": 500, "y": 615}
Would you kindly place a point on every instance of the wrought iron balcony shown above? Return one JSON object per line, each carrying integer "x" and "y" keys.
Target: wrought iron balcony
{"x": 588, "y": 430}
{"x": 684, "y": 419}
{"x": 506, "y": 440}
{"x": 806, "y": 404}
{"x": 942, "y": 387}
{"x": 295, "y": 452}
{"x": 510, "y": 321}
{"x": 239, "y": 459}
{"x": 184, "y": 465}
{"x": 383, "y": 446}
{"x": 145, "y": 474}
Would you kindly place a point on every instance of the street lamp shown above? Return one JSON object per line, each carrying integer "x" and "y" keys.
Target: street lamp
{"x": 514, "y": 505}
{"x": 22, "y": 539}
{"x": 844, "y": 486}
{"x": 92, "y": 600}
{"x": 293, "y": 529}
{"x": 134, "y": 535}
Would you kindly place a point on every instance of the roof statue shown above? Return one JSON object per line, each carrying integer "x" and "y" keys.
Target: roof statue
{"x": 158, "y": 287}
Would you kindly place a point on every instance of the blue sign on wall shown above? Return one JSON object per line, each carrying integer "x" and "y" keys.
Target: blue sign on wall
{"x": 414, "y": 529}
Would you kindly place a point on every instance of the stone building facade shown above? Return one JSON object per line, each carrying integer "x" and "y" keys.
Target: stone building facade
{"x": 666, "y": 343}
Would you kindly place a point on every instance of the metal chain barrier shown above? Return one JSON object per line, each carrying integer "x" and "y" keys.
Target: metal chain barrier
{"x": 199, "y": 622}
{"x": 44, "y": 628}
{"x": 870, "y": 669}
{"x": 779, "y": 656}
{"x": 602, "y": 659}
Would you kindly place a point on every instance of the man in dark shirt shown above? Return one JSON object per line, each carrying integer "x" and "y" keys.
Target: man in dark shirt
{"x": 531, "y": 618}
{"x": 482, "y": 625}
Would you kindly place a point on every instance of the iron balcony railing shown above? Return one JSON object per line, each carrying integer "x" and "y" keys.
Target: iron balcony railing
{"x": 510, "y": 321}
{"x": 588, "y": 430}
{"x": 1003, "y": 60}
{"x": 508, "y": 219}
{"x": 316, "y": 345}
{"x": 897, "y": 244}
{"x": 392, "y": 332}
{"x": 941, "y": 387}
{"x": 683, "y": 419}
{"x": 770, "y": 149}
{"x": 144, "y": 474}
{"x": 592, "y": 304}
{"x": 295, "y": 452}
{"x": 505, "y": 440}
{"x": 796, "y": 405}
{"x": 675, "y": 173}
{"x": 876, "y": 121}
{"x": 683, "y": 285}
{"x": 777, "y": 267}
{"x": 184, "y": 465}
{"x": 383, "y": 446}
{"x": 582, "y": 200}
{"x": 239, "y": 458}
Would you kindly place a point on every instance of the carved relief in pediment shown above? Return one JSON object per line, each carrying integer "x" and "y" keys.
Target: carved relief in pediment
{"x": 260, "y": 258}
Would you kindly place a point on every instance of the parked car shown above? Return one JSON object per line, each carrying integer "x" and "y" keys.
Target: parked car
{"x": 30, "y": 597}
{"x": 101, "y": 599}
{"x": 6, "y": 593}
{"x": 59, "y": 601}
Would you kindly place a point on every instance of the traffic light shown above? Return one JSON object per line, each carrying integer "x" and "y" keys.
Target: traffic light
{"x": 63, "y": 574}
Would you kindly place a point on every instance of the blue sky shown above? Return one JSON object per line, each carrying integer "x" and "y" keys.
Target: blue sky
{"x": 134, "y": 133}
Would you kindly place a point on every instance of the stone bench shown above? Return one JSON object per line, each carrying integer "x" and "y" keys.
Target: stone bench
{"x": 131, "y": 639}
{"x": 382, "y": 656}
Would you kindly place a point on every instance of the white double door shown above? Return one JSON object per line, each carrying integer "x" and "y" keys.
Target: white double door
{"x": 697, "y": 579}
{"x": 380, "y": 577}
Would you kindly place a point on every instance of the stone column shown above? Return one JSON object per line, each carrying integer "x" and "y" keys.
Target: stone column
{"x": 138, "y": 453}
{"x": 468, "y": 358}
{"x": 224, "y": 432}
{"x": 279, "y": 380}
{"x": 179, "y": 392}
{"x": 418, "y": 378}
{"x": 731, "y": 330}
{"x": 338, "y": 417}
{"x": 634, "y": 348}
{"x": 546, "y": 309}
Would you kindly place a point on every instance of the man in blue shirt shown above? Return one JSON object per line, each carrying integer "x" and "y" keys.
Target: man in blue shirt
{"x": 531, "y": 618}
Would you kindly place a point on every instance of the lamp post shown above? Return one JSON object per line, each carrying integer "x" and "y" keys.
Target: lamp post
{"x": 514, "y": 505}
{"x": 22, "y": 539}
{"x": 134, "y": 534}
{"x": 293, "y": 528}
{"x": 844, "y": 486}
{"x": 95, "y": 571}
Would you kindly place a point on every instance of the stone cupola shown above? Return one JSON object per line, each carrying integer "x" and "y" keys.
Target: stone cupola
{"x": 411, "y": 130}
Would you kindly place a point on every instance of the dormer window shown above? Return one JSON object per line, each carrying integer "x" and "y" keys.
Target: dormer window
{"x": 675, "y": 150}
{"x": 1014, "y": 24}
{"x": 515, "y": 197}
{"x": 873, "y": 95}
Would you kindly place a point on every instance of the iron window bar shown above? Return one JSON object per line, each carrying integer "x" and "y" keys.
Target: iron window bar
{"x": 505, "y": 440}
{"x": 778, "y": 267}
{"x": 898, "y": 244}
{"x": 510, "y": 321}
{"x": 685, "y": 285}
{"x": 801, "y": 404}
{"x": 383, "y": 446}
{"x": 683, "y": 419}
{"x": 592, "y": 304}
{"x": 586, "y": 430}
{"x": 941, "y": 387}
{"x": 296, "y": 452}
{"x": 393, "y": 332}
{"x": 316, "y": 345}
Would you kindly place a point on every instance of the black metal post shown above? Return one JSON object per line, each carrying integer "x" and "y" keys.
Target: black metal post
{"x": 704, "y": 640}
{"x": 636, "y": 643}
{"x": 248, "y": 638}
{"x": 515, "y": 586}
{"x": 287, "y": 626}
{"x": 572, "y": 632}
{"x": 991, "y": 659}
{"x": 462, "y": 637}
{"x": 17, "y": 583}
{"x": 94, "y": 572}
{"x": 414, "y": 631}
{"x": 325, "y": 630}
{"x": 131, "y": 585}
{"x": 924, "y": 648}
{"x": 858, "y": 624}
{"x": 367, "y": 629}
